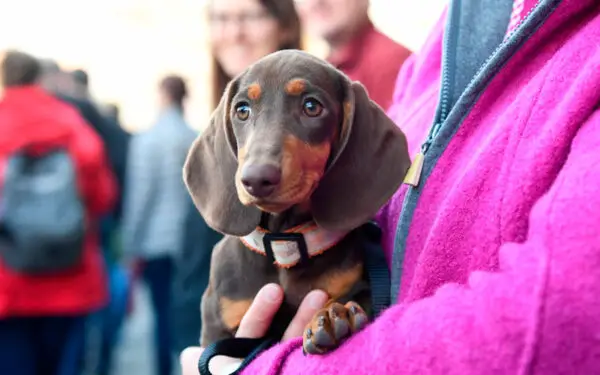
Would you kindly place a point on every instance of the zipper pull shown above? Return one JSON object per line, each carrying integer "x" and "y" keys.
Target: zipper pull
{"x": 416, "y": 168}
{"x": 413, "y": 175}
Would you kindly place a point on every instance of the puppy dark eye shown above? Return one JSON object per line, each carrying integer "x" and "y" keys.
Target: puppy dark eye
{"x": 312, "y": 107}
{"x": 242, "y": 111}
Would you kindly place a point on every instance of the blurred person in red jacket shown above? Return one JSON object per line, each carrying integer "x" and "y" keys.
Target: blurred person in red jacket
{"x": 42, "y": 316}
{"x": 356, "y": 47}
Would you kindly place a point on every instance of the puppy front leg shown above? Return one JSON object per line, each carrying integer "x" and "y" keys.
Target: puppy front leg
{"x": 331, "y": 325}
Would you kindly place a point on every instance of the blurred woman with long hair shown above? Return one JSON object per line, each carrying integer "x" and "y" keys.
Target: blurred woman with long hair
{"x": 241, "y": 32}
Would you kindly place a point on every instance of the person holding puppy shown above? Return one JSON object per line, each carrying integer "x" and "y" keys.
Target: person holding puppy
{"x": 492, "y": 241}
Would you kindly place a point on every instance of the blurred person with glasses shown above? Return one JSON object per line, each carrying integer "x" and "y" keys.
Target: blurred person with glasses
{"x": 241, "y": 32}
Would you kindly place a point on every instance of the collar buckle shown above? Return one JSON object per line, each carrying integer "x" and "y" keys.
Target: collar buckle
{"x": 281, "y": 242}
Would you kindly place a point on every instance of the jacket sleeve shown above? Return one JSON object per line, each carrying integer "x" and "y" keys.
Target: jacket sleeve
{"x": 98, "y": 184}
{"x": 538, "y": 314}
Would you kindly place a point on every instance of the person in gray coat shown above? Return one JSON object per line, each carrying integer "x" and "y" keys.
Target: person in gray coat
{"x": 156, "y": 205}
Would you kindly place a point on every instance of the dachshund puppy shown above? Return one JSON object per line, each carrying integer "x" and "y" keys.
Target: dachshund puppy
{"x": 295, "y": 159}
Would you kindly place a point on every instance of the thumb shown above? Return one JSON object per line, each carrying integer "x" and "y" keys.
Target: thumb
{"x": 257, "y": 320}
{"x": 188, "y": 359}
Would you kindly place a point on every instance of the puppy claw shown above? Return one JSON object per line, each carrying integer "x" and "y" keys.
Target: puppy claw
{"x": 321, "y": 320}
{"x": 316, "y": 336}
{"x": 331, "y": 325}
{"x": 341, "y": 328}
{"x": 310, "y": 348}
{"x": 324, "y": 339}
{"x": 357, "y": 317}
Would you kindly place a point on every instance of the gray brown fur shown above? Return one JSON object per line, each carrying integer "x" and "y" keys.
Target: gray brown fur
{"x": 364, "y": 165}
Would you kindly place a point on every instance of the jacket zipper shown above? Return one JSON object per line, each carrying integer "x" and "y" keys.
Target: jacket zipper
{"x": 413, "y": 176}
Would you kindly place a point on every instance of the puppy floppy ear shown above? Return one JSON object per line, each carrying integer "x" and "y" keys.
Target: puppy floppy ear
{"x": 209, "y": 174}
{"x": 368, "y": 164}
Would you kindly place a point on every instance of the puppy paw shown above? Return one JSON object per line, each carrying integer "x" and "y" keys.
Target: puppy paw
{"x": 331, "y": 325}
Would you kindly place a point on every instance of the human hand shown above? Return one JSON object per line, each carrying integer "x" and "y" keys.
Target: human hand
{"x": 255, "y": 324}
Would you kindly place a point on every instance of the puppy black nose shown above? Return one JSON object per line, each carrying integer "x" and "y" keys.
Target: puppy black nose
{"x": 261, "y": 180}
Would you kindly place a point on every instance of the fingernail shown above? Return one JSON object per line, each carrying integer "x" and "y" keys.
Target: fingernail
{"x": 272, "y": 293}
{"x": 317, "y": 299}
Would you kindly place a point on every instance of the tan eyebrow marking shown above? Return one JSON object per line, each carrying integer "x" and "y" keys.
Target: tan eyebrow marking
{"x": 295, "y": 86}
{"x": 254, "y": 91}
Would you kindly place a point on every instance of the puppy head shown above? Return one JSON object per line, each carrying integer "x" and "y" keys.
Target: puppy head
{"x": 292, "y": 130}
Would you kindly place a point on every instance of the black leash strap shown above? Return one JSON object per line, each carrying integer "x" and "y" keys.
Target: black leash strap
{"x": 248, "y": 349}
{"x": 379, "y": 280}
{"x": 377, "y": 269}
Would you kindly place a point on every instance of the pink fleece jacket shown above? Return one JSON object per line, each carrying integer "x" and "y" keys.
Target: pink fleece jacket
{"x": 501, "y": 260}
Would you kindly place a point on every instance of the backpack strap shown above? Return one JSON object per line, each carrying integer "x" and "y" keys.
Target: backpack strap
{"x": 379, "y": 280}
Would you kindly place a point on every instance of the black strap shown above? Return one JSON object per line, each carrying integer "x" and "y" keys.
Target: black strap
{"x": 377, "y": 269}
{"x": 236, "y": 348}
{"x": 379, "y": 280}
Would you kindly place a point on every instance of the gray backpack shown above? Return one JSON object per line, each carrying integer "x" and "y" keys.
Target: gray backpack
{"x": 42, "y": 217}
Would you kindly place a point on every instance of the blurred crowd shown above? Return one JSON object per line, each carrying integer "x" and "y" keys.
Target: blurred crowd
{"x": 140, "y": 223}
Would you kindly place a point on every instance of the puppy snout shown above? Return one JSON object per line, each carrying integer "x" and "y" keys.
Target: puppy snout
{"x": 261, "y": 180}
